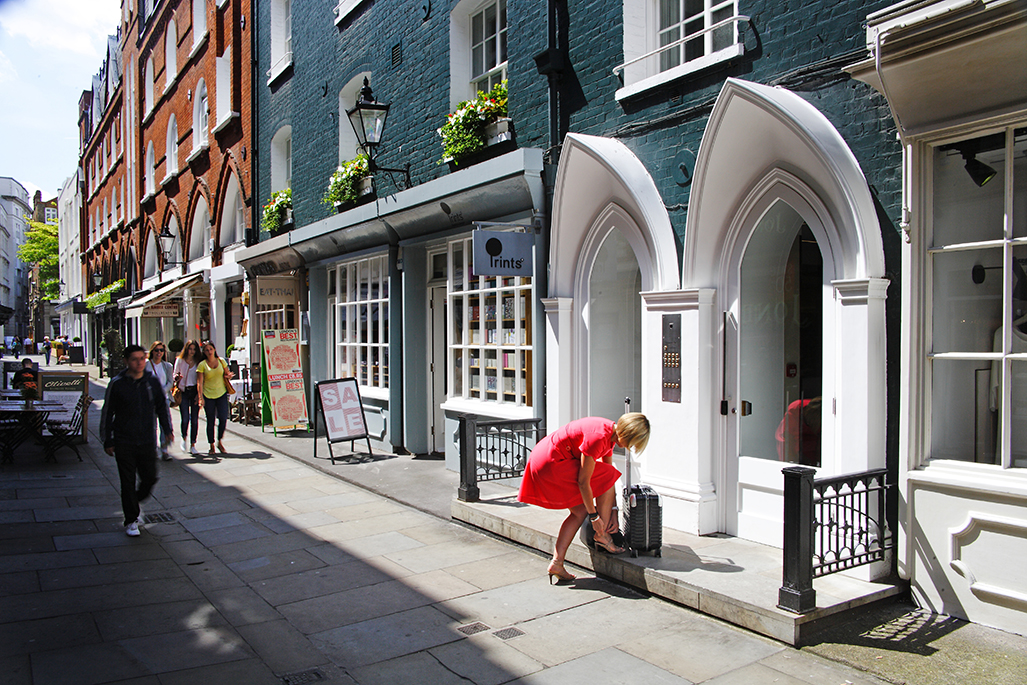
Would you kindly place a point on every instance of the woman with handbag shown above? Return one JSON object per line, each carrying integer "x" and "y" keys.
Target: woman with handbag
{"x": 159, "y": 367}
{"x": 214, "y": 383}
{"x": 185, "y": 387}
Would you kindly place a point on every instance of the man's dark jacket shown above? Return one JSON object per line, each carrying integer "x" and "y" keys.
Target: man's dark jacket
{"x": 131, "y": 408}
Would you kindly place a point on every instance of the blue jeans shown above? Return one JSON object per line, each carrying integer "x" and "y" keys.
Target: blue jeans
{"x": 190, "y": 409}
{"x": 216, "y": 407}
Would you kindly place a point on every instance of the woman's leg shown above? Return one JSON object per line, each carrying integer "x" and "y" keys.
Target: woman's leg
{"x": 222, "y": 407}
{"x": 568, "y": 530}
{"x": 210, "y": 408}
{"x": 194, "y": 413}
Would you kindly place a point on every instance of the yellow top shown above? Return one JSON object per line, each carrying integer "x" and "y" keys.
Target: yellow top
{"x": 213, "y": 379}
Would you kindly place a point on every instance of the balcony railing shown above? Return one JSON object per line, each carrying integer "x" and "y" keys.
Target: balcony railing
{"x": 493, "y": 450}
{"x": 830, "y": 525}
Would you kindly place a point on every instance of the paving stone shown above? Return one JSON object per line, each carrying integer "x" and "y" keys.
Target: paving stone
{"x": 485, "y": 659}
{"x": 505, "y": 569}
{"x": 212, "y": 574}
{"x": 372, "y": 545}
{"x": 156, "y": 619}
{"x": 319, "y": 582}
{"x": 27, "y": 545}
{"x": 106, "y": 574}
{"x": 756, "y": 673}
{"x": 310, "y": 519}
{"x": 386, "y": 637}
{"x": 187, "y": 649}
{"x": 86, "y": 665}
{"x": 352, "y": 606}
{"x": 45, "y": 529}
{"x": 261, "y": 568}
{"x": 610, "y": 667}
{"x": 242, "y": 606}
{"x": 40, "y": 502}
{"x": 215, "y": 521}
{"x": 283, "y": 648}
{"x": 264, "y": 546}
{"x": 73, "y": 601}
{"x": 243, "y": 672}
{"x": 93, "y": 541}
{"x": 411, "y": 668}
{"x": 26, "y": 637}
{"x": 445, "y": 554}
{"x": 43, "y": 560}
{"x": 16, "y": 670}
{"x": 20, "y": 583}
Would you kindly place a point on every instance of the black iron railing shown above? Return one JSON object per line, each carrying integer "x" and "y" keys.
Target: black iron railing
{"x": 830, "y": 525}
{"x": 492, "y": 450}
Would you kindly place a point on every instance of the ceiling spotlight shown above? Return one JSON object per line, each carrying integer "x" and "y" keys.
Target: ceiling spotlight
{"x": 979, "y": 172}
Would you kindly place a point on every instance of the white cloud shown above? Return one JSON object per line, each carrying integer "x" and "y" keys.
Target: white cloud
{"x": 62, "y": 25}
{"x": 8, "y": 73}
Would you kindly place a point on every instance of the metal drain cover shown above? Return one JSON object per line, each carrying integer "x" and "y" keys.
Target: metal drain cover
{"x": 312, "y": 675}
{"x": 162, "y": 517}
{"x": 507, "y": 633}
{"x": 473, "y": 628}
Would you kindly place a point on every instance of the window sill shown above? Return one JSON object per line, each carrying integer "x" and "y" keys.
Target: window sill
{"x": 224, "y": 123}
{"x": 198, "y": 45}
{"x": 149, "y": 115}
{"x": 490, "y": 409}
{"x": 168, "y": 179}
{"x": 344, "y": 9}
{"x": 380, "y": 394}
{"x": 664, "y": 77}
{"x": 279, "y": 68}
{"x": 989, "y": 478}
{"x": 197, "y": 152}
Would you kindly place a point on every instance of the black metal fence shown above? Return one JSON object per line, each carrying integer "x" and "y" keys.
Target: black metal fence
{"x": 830, "y": 525}
{"x": 492, "y": 450}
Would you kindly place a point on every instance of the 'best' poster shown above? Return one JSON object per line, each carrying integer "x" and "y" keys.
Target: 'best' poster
{"x": 285, "y": 377}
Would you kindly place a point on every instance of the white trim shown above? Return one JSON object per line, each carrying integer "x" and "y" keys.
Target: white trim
{"x": 682, "y": 70}
{"x": 344, "y": 9}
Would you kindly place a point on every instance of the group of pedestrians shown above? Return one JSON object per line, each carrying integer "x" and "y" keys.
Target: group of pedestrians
{"x": 137, "y": 406}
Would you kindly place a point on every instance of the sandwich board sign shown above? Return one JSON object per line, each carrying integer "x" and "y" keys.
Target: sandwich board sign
{"x": 342, "y": 411}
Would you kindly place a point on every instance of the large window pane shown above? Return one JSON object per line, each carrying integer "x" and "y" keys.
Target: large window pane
{"x": 963, "y": 210}
{"x": 967, "y": 313}
{"x": 1018, "y": 408}
{"x": 1020, "y": 183}
{"x": 963, "y": 427}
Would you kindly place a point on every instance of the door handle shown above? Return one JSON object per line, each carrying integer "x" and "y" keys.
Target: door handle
{"x": 745, "y": 406}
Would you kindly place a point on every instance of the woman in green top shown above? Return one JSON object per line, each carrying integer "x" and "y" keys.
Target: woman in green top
{"x": 212, "y": 382}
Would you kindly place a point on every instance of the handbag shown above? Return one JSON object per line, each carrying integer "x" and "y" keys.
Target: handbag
{"x": 176, "y": 396}
{"x": 228, "y": 380}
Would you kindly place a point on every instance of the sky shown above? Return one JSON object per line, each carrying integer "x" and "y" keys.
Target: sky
{"x": 49, "y": 52}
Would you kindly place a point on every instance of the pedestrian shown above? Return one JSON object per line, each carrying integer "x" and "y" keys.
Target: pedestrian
{"x": 133, "y": 404}
{"x": 58, "y": 348}
{"x": 212, "y": 382}
{"x": 46, "y": 349}
{"x": 185, "y": 378}
{"x": 572, "y": 468}
{"x": 161, "y": 368}
{"x": 26, "y": 378}
{"x": 16, "y": 344}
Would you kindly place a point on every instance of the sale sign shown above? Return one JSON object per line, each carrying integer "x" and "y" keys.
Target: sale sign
{"x": 343, "y": 414}
{"x": 285, "y": 377}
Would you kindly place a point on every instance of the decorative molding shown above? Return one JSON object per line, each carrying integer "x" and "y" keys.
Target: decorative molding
{"x": 975, "y": 524}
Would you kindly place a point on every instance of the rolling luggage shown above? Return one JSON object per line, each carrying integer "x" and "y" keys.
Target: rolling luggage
{"x": 643, "y": 520}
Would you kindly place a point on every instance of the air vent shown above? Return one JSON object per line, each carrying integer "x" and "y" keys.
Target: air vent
{"x": 397, "y": 54}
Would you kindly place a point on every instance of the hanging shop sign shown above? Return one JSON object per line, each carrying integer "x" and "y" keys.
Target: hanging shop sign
{"x": 277, "y": 290}
{"x": 342, "y": 413}
{"x": 157, "y": 311}
{"x": 284, "y": 368}
{"x": 502, "y": 253}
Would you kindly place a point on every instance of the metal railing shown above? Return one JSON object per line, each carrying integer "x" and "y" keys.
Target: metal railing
{"x": 738, "y": 18}
{"x": 493, "y": 450}
{"x": 830, "y": 525}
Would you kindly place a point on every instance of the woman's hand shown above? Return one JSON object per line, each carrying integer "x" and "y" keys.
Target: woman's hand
{"x": 597, "y": 525}
{"x": 613, "y": 526}
{"x": 200, "y": 402}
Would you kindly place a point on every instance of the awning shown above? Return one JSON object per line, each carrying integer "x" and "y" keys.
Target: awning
{"x": 72, "y": 306}
{"x": 269, "y": 257}
{"x": 138, "y": 309}
{"x": 947, "y": 61}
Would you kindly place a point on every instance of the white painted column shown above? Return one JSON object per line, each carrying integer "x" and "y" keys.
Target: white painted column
{"x": 681, "y": 461}
{"x": 559, "y": 367}
{"x": 860, "y": 391}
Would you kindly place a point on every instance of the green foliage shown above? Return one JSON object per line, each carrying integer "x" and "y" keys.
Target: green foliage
{"x": 273, "y": 217}
{"x": 175, "y": 346}
{"x": 343, "y": 185}
{"x": 464, "y": 130}
{"x": 104, "y": 296}
{"x": 41, "y": 247}
{"x": 228, "y": 351}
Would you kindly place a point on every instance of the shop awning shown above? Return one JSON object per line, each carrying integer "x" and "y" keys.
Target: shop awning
{"x": 947, "y": 61}
{"x": 138, "y": 308}
{"x": 72, "y": 306}
{"x": 269, "y": 257}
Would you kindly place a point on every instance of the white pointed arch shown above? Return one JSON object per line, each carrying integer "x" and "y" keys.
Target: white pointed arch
{"x": 599, "y": 180}
{"x": 754, "y": 133}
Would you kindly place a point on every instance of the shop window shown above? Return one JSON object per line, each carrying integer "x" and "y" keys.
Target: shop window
{"x": 977, "y": 328}
{"x": 281, "y": 38}
{"x": 281, "y": 159}
{"x": 361, "y": 321}
{"x": 490, "y": 332}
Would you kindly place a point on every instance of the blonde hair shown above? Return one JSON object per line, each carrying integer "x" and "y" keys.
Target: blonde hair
{"x": 633, "y": 431}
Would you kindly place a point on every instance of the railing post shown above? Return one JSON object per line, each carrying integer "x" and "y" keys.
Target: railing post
{"x": 468, "y": 490}
{"x": 797, "y": 594}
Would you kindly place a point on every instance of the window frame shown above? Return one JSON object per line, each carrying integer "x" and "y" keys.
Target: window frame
{"x": 352, "y": 345}
{"x": 926, "y": 256}
{"x": 487, "y": 78}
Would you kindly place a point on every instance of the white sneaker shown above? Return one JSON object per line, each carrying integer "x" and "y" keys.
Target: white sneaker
{"x": 193, "y": 450}
{"x": 185, "y": 446}
{"x": 132, "y": 529}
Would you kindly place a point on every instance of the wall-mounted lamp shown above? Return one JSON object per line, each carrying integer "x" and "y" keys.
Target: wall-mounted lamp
{"x": 167, "y": 244}
{"x": 979, "y": 172}
{"x": 368, "y": 120}
{"x": 97, "y": 280}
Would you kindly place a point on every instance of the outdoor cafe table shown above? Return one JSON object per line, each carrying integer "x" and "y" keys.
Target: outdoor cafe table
{"x": 21, "y": 419}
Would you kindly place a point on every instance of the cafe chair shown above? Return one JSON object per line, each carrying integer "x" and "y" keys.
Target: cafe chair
{"x": 60, "y": 433}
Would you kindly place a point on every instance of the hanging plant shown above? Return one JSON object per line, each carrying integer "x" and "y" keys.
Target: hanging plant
{"x": 275, "y": 211}
{"x": 104, "y": 296}
{"x": 464, "y": 130}
{"x": 344, "y": 183}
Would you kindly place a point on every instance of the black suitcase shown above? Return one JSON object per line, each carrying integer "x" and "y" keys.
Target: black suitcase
{"x": 643, "y": 520}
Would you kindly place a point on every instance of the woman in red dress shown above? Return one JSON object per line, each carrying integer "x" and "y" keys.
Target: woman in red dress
{"x": 572, "y": 468}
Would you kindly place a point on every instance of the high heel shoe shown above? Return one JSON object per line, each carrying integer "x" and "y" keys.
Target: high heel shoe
{"x": 556, "y": 570}
{"x": 608, "y": 545}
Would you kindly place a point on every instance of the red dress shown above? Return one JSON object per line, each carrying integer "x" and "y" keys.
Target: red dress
{"x": 551, "y": 475}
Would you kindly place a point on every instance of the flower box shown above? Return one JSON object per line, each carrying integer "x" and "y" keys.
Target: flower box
{"x": 365, "y": 194}
{"x": 499, "y": 131}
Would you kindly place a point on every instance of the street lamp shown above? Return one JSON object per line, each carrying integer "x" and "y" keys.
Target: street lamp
{"x": 97, "y": 280}
{"x": 167, "y": 244}
{"x": 368, "y": 121}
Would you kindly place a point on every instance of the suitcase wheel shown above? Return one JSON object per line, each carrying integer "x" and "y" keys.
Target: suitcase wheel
{"x": 658, "y": 553}
{"x": 634, "y": 554}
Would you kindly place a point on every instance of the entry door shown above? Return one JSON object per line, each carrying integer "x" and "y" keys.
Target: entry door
{"x": 437, "y": 368}
{"x": 778, "y": 321}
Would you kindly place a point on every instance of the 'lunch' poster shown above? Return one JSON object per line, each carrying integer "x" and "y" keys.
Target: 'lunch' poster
{"x": 285, "y": 378}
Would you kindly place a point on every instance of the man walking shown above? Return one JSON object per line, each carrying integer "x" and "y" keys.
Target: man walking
{"x": 133, "y": 403}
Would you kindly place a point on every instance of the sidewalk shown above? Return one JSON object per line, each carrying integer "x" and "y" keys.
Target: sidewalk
{"x": 269, "y": 566}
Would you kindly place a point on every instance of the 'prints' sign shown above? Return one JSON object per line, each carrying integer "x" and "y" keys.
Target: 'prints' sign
{"x": 502, "y": 253}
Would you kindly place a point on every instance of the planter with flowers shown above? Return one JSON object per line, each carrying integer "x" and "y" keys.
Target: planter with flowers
{"x": 277, "y": 212}
{"x": 350, "y": 185}
{"x": 478, "y": 130}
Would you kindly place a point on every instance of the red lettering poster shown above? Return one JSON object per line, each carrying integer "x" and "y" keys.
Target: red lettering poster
{"x": 285, "y": 377}
{"x": 343, "y": 413}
